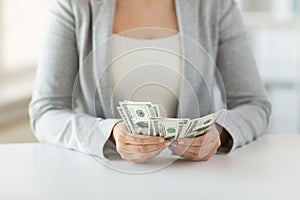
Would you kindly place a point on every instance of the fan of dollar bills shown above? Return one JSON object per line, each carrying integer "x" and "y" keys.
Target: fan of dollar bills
{"x": 143, "y": 118}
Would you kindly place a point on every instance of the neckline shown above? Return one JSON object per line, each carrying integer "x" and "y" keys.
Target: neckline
{"x": 148, "y": 40}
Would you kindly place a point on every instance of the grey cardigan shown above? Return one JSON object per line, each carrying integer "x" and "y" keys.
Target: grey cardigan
{"x": 69, "y": 75}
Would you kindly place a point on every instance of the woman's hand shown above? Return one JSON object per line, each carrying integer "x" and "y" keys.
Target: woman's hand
{"x": 137, "y": 148}
{"x": 199, "y": 148}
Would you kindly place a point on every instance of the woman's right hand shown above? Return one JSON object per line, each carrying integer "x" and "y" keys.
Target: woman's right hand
{"x": 137, "y": 148}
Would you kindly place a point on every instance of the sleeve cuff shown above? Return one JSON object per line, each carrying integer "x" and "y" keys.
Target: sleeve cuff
{"x": 109, "y": 149}
{"x": 226, "y": 121}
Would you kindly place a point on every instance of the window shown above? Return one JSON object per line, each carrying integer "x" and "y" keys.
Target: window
{"x": 274, "y": 29}
{"x": 21, "y": 26}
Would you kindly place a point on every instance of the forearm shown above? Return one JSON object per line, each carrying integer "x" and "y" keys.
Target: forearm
{"x": 76, "y": 131}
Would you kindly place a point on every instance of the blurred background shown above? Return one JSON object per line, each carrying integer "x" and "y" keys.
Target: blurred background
{"x": 274, "y": 32}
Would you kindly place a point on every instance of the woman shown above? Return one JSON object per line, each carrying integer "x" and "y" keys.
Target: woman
{"x": 78, "y": 27}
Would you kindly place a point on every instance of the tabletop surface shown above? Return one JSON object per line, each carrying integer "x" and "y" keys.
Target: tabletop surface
{"x": 268, "y": 168}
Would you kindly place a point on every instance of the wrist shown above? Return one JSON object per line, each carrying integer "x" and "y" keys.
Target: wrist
{"x": 112, "y": 135}
{"x": 226, "y": 139}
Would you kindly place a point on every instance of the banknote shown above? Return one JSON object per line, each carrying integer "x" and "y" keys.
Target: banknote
{"x": 125, "y": 119}
{"x": 200, "y": 126}
{"x": 144, "y": 118}
{"x": 137, "y": 116}
{"x": 168, "y": 127}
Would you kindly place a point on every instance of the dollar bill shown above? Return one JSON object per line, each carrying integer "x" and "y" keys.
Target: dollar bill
{"x": 144, "y": 118}
{"x": 168, "y": 127}
{"x": 200, "y": 126}
{"x": 125, "y": 119}
{"x": 137, "y": 115}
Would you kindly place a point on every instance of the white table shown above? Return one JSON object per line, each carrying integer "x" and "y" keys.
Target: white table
{"x": 266, "y": 169}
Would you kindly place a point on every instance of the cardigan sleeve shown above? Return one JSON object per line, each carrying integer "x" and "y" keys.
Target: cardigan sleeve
{"x": 52, "y": 115}
{"x": 247, "y": 101}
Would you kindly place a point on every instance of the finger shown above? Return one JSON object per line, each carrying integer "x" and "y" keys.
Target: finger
{"x": 129, "y": 148}
{"x": 209, "y": 138}
{"x": 194, "y": 156}
{"x": 209, "y": 146}
{"x": 178, "y": 151}
{"x": 200, "y": 150}
{"x": 142, "y": 140}
{"x": 194, "y": 153}
{"x": 186, "y": 155}
{"x": 183, "y": 148}
{"x": 122, "y": 128}
{"x": 212, "y": 153}
{"x": 191, "y": 156}
{"x": 153, "y": 155}
{"x": 125, "y": 136}
{"x": 192, "y": 141}
{"x": 139, "y": 157}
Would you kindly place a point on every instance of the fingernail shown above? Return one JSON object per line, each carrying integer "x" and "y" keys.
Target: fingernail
{"x": 173, "y": 145}
{"x": 181, "y": 142}
{"x": 161, "y": 140}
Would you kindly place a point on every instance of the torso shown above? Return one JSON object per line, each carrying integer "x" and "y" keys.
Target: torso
{"x": 143, "y": 74}
{"x": 146, "y": 70}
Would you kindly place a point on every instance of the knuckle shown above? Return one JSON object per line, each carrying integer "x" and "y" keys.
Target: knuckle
{"x": 219, "y": 143}
{"x": 119, "y": 150}
{"x": 200, "y": 155}
{"x": 206, "y": 158}
{"x": 186, "y": 148}
{"x": 123, "y": 156}
{"x": 141, "y": 149}
{"x": 197, "y": 151}
{"x": 161, "y": 146}
{"x": 142, "y": 157}
{"x": 119, "y": 136}
{"x": 215, "y": 151}
{"x": 199, "y": 140}
{"x": 195, "y": 158}
{"x": 194, "y": 140}
{"x": 137, "y": 140}
{"x": 119, "y": 144}
{"x": 122, "y": 148}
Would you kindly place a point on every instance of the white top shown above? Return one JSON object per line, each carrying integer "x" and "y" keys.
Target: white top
{"x": 265, "y": 169}
{"x": 146, "y": 70}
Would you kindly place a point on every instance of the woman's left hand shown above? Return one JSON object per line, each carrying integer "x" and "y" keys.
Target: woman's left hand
{"x": 200, "y": 148}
